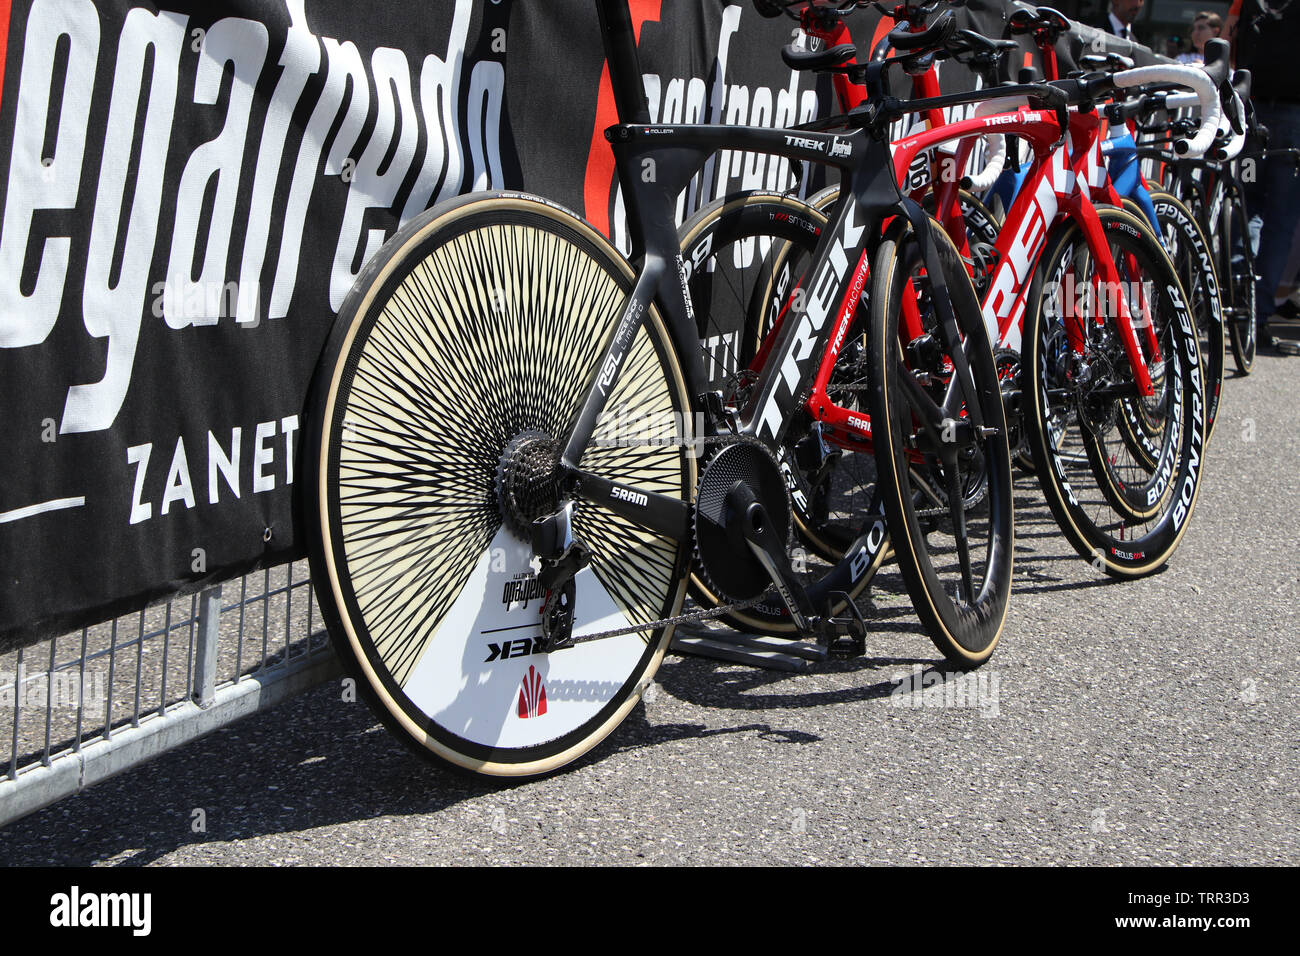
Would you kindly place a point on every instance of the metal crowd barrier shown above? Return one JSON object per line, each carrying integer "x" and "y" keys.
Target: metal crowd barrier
{"x": 82, "y": 707}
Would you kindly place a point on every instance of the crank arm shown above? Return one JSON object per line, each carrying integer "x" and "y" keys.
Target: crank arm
{"x": 748, "y": 520}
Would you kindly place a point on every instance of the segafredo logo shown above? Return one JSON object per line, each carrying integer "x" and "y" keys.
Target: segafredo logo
{"x": 521, "y": 589}
{"x": 99, "y": 234}
{"x": 532, "y": 695}
{"x": 76, "y": 909}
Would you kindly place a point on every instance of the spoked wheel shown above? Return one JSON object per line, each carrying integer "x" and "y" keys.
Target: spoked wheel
{"x": 941, "y": 447}
{"x": 745, "y": 257}
{"x": 454, "y": 373}
{"x": 1120, "y": 470}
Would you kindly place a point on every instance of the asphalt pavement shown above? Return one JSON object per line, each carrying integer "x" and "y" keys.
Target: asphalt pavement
{"x": 1155, "y": 721}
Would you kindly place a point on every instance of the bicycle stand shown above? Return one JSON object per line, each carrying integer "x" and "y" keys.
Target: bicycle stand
{"x": 756, "y": 650}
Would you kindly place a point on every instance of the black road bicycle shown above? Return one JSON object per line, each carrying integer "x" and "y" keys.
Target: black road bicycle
{"x": 516, "y": 459}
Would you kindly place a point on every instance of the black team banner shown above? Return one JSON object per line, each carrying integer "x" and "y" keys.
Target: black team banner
{"x": 190, "y": 191}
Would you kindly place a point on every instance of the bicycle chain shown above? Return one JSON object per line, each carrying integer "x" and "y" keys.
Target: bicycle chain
{"x": 684, "y": 618}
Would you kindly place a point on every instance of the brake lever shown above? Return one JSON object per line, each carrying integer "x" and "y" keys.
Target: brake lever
{"x": 1234, "y": 115}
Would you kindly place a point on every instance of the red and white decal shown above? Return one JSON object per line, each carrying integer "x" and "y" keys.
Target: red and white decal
{"x": 532, "y": 694}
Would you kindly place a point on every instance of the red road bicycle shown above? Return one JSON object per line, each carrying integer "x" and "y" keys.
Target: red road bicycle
{"x": 1113, "y": 407}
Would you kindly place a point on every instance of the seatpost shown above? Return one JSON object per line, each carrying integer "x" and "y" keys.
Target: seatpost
{"x": 624, "y": 66}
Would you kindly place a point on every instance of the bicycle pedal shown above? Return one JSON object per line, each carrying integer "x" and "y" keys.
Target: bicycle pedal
{"x": 843, "y": 637}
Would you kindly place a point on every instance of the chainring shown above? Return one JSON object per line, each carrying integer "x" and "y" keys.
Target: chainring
{"x": 729, "y": 569}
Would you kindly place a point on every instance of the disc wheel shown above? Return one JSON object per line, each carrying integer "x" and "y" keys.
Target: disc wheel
{"x": 462, "y": 355}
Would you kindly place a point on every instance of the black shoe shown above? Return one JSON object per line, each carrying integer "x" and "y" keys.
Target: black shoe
{"x": 1288, "y": 310}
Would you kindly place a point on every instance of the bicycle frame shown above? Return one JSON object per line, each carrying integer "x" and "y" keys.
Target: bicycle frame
{"x": 829, "y": 29}
{"x": 654, "y": 164}
{"x": 1049, "y": 190}
{"x": 1055, "y": 188}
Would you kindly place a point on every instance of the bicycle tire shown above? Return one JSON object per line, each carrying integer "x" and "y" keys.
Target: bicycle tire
{"x": 483, "y": 319}
{"x": 982, "y": 227}
{"x": 1095, "y": 500}
{"x": 966, "y": 625}
{"x": 744, "y": 255}
{"x": 1193, "y": 258}
{"x": 1241, "y": 328}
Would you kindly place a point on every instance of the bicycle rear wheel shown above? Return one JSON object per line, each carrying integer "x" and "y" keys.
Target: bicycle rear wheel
{"x": 466, "y": 346}
{"x": 946, "y": 486}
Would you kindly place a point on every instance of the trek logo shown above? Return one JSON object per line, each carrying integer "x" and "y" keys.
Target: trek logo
{"x": 820, "y": 298}
{"x": 1004, "y": 305}
{"x": 520, "y": 647}
{"x": 804, "y": 143}
{"x": 76, "y": 909}
{"x": 532, "y": 695}
{"x": 632, "y": 497}
{"x": 520, "y": 590}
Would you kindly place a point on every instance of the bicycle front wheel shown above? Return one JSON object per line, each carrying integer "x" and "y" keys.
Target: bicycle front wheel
{"x": 1193, "y": 259}
{"x": 1241, "y": 266}
{"x": 461, "y": 357}
{"x": 746, "y": 256}
{"x": 945, "y": 484}
{"x": 1120, "y": 470}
